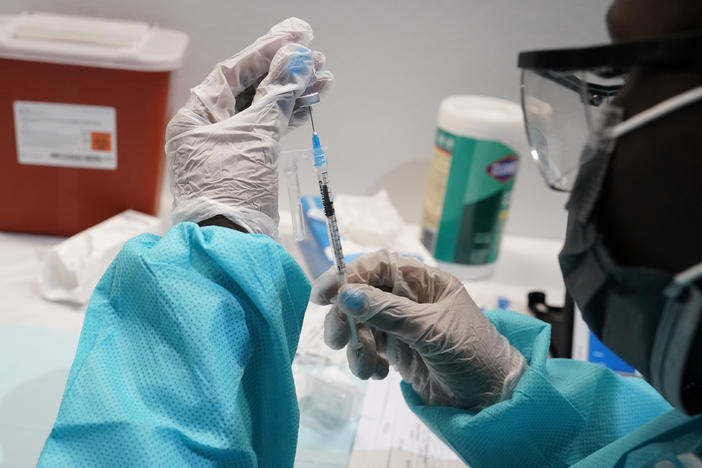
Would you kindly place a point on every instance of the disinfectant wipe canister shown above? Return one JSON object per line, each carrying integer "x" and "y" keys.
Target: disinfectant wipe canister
{"x": 470, "y": 182}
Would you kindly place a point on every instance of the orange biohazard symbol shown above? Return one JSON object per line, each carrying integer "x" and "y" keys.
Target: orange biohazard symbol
{"x": 100, "y": 141}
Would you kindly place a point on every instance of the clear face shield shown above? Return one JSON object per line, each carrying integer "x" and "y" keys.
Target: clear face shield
{"x": 566, "y": 96}
{"x": 560, "y": 110}
{"x": 563, "y": 93}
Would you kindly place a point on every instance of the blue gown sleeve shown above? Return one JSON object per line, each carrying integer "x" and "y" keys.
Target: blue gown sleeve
{"x": 185, "y": 356}
{"x": 561, "y": 411}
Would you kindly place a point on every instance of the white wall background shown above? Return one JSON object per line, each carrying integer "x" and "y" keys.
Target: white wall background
{"x": 394, "y": 61}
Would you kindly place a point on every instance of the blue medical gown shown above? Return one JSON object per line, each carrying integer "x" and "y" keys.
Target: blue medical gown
{"x": 185, "y": 354}
{"x": 563, "y": 413}
{"x": 184, "y": 360}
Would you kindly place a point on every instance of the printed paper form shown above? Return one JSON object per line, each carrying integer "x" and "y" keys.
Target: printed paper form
{"x": 389, "y": 435}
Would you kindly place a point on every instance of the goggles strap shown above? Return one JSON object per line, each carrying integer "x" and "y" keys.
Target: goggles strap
{"x": 660, "y": 109}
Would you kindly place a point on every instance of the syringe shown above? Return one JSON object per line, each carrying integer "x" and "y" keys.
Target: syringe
{"x": 320, "y": 166}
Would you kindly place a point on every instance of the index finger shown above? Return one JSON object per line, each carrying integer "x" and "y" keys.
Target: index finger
{"x": 253, "y": 62}
{"x": 240, "y": 71}
{"x": 389, "y": 271}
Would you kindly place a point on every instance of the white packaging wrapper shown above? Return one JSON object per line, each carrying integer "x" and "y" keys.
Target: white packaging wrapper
{"x": 71, "y": 269}
{"x": 371, "y": 222}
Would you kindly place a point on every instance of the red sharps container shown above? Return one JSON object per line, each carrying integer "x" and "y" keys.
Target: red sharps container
{"x": 83, "y": 109}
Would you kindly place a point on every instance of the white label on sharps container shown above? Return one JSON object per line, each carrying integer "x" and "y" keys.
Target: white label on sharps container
{"x": 69, "y": 135}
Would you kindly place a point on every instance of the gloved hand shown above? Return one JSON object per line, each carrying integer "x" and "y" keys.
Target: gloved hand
{"x": 223, "y": 145}
{"x": 423, "y": 322}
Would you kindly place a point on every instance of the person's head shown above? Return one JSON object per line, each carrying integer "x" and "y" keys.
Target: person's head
{"x": 629, "y": 20}
{"x": 634, "y": 215}
{"x": 649, "y": 211}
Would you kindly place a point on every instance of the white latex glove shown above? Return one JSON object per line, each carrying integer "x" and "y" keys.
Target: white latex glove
{"x": 423, "y": 322}
{"x": 223, "y": 145}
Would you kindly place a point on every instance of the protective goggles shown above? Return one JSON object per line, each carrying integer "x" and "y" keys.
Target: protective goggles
{"x": 564, "y": 91}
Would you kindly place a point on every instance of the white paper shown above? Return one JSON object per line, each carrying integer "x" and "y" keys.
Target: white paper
{"x": 391, "y": 436}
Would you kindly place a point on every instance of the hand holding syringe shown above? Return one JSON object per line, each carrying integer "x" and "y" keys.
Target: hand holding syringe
{"x": 320, "y": 166}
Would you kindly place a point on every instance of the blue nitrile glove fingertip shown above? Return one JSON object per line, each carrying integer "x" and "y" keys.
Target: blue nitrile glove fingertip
{"x": 353, "y": 299}
{"x": 302, "y": 62}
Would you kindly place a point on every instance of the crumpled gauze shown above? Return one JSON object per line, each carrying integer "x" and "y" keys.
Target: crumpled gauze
{"x": 185, "y": 356}
{"x": 71, "y": 269}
